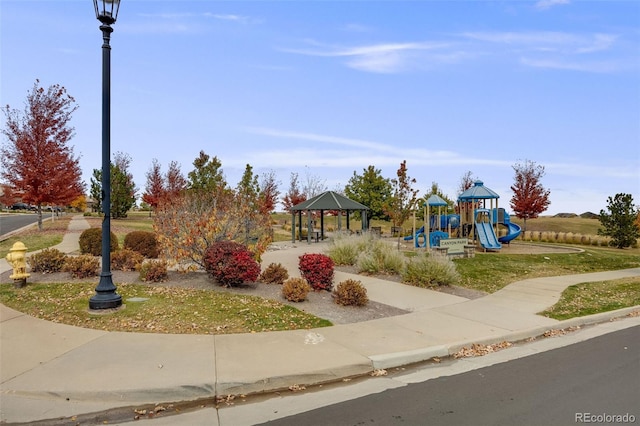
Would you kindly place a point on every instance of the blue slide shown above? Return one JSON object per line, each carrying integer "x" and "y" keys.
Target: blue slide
{"x": 418, "y": 232}
{"x": 486, "y": 236}
{"x": 513, "y": 231}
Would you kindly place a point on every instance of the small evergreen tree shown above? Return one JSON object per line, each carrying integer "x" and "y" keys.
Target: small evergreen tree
{"x": 370, "y": 189}
{"x": 620, "y": 221}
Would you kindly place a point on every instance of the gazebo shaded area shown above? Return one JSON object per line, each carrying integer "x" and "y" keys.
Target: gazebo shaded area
{"x": 327, "y": 201}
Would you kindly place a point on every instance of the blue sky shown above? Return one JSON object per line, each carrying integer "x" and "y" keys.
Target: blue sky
{"x": 326, "y": 88}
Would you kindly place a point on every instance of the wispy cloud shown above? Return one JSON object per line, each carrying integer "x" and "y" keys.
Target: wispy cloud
{"x": 379, "y": 58}
{"x": 538, "y": 47}
{"x": 560, "y": 64}
{"x": 354, "y": 153}
{"x": 547, "y": 41}
{"x": 182, "y": 23}
{"x": 547, "y": 4}
{"x": 329, "y": 151}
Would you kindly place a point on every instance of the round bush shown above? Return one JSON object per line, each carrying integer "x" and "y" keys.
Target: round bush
{"x": 295, "y": 289}
{"x": 83, "y": 266}
{"x": 91, "y": 242}
{"x": 48, "y": 260}
{"x": 317, "y": 269}
{"x": 144, "y": 242}
{"x": 126, "y": 260}
{"x": 154, "y": 271}
{"x": 230, "y": 263}
{"x": 351, "y": 293}
{"x": 274, "y": 274}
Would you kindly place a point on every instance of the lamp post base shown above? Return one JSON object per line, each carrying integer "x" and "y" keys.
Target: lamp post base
{"x": 106, "y": 296}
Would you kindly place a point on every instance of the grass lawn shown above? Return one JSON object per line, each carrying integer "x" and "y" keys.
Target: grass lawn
{"x": 489, "y": 272}
{"x": 167, "y": 310}
{"x": 595, "y": 297}
{"x": 52, "y": 234}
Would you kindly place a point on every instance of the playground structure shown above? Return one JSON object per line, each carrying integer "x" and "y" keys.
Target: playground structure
{"x": 475, "y": 221}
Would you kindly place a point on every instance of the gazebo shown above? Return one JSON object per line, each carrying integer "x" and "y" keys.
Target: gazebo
{"x": 328, "y": 200}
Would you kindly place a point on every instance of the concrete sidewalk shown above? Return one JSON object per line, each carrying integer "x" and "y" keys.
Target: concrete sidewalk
{"x": 50, "y": 370}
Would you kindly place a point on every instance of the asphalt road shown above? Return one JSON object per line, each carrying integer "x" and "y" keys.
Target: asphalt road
{"x": 15, "y": 221}
{"x": 566, "y": 386}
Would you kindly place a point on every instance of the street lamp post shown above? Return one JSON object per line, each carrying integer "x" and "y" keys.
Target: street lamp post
{"x": 106, "y": 296}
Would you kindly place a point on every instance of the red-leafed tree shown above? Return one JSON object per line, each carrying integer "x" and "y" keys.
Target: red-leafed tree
{"x": 175, "y": 183}
{"x": 293, "y": 196}
{"x": 268, "y": 192}
{"x": 530, "y": 198}
{"x": 37, "y": 162}
{"x": 154, "y": 189}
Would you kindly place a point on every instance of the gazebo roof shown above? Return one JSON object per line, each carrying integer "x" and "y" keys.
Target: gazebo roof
{"x": 477, "y": 192}
{"x": 436, "y": 200}
{"x": 329, "y": 201}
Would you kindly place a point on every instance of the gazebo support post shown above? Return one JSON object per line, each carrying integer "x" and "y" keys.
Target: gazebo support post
{"x": 293, "y": 227}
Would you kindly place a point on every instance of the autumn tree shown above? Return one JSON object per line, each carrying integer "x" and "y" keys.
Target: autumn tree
{"x": 174, "y": 181}
{"x": 208, "y": 211}
{"x": 403, "y": 198}
{"x": 620, "y": 221}
{"x": 530, "y": 198}
{"x": 154, "y": 188}
{"x": 79, "y": 203}
{"x": 293, "y": 196}
{"x": 38, "y": 164}
{"x": 269, "y": 192}
{"x": 370, "y": 189}
{"x": 466, "y": 182}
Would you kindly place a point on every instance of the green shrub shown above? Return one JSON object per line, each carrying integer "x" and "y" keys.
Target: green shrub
{"x": 154, "y": 271}
{"x": 91, "y": 242}
{"x": 351, "y": 293}
{"x": 83, "y": 266}
{"x": 126, "y": 260}
{"x": 48, "y": 260}
{"x": 295, "y": 289}
{"x": 430, "y": 271}
{"x": 144, "y": 242}
{"x": 275, "y": 273}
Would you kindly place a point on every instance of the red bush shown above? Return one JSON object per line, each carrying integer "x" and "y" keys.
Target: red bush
{"x": 230, "y": 263}
{"x": 317, "y": 269}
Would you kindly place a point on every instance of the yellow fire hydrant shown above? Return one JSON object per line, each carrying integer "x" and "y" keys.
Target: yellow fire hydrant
{"x": 17, "y": 258}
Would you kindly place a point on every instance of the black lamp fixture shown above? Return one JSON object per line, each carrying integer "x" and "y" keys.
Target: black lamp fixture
{"x": 106, "y": 296}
